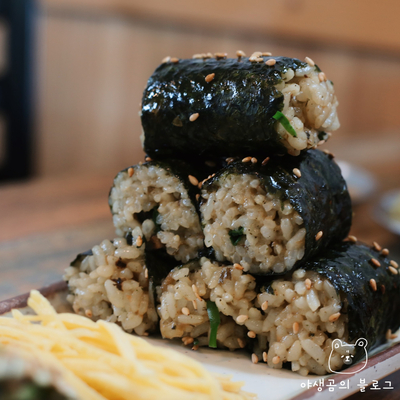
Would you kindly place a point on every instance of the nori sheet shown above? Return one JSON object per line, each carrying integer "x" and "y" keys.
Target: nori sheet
{"x": 320, "y": 195}
{"x": 235, "y": 109}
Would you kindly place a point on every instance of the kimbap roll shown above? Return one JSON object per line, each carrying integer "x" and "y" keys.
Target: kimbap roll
{"x": 215, "y": 107}
{"x": 155, "y": 202}
{"x": 269, "y": 217}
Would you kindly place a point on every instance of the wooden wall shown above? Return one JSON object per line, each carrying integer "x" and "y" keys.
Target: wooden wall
{"x": 96, "y": 56}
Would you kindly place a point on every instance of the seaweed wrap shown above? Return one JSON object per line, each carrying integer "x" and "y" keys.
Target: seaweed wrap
{"x": 155, "y": 202}
{"x": 216, "y": 107}
{"x": 270, "y": 216}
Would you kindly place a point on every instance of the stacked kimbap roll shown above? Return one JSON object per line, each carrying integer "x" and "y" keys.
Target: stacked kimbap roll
{"x": 234, "y": 231}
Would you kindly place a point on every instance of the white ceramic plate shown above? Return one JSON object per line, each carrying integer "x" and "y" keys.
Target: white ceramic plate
{"x": 267, "y": 383}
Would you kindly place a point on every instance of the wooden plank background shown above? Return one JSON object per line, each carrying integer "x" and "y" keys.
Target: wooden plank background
{"x": 94, "y": 58}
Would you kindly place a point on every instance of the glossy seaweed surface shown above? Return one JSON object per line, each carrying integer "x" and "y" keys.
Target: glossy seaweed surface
{"x": 235, "y": 108}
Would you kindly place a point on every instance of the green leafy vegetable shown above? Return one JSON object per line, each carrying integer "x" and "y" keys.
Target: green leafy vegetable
{"x": 213, "y": 316}
{"x": 236, "y": 235}
{"x": 285, "y": 123}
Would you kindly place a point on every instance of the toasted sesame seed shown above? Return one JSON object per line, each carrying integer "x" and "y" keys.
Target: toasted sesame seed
{"x": 270, "y": 62}
{"x": 297, "y": 172}
{"x": 276, "y": 360}
{"x": 322, "y": 77}
{"x": 385, "y": 252}
{"x": 321, "y": 142}
{"x": 241, "y": 342}
{"x": 220, "y": 56}
{"x": 185, "y": 311}
{"x": 394, "y": 264}
{"x": 238, "y": 266}
{"x": 210, "y": 77}
{"x": 197, "y": 56}
{"x": 197, "y": 196}
{"x": 229, "y": 160}
{"x": 266, "y": 54}
{"x": 174, "y": 60}
{"x": 296, "y": 327}
{"x": 254, "y": 358}
{"x": 187, "y": 340}
{"x": 242, "y": 318}
{"x": 193, "y": 117}
{"x": 130, "y": 172}
{"x": 334, "y": 317}
{"x": 319, "y": 235}
{"x": 376, "y": 246}
{"x": 264, "y": 305}
{"x": 196, "y": 292}
{"x": 240, "y": 54}
{"x": 393, "y": 270}
{"x": 352, "y": 238}
{"x": 195, "y": 347}
{"x": 139, "y": 241}
{"x": 146, "y": 273}
{"x": 307, "y": 282}
{"x": 372, "y": 283}
{"x": 254, "y": 160}
{"x": 375, "y": 262}
{"x": 390, "y": 335}
{"x": 383, "y": 289}
{"x": 200, "y": 184}
{"x": 148, "y": 159}
{"x": 251, "y": 334}
{"x": 265, "y": 356}
{"x": 166, "y": 59}
{"x": 194, "y": 304}
{"x": 265, "y": 161}
{"x": 193, "y": 180}
{"x": 308, "y": 60}
{"x": 89, "y": 313}
{"x": 246, "y": 159}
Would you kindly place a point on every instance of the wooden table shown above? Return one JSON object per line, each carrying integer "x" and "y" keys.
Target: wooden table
{"x": 45, "y": 223}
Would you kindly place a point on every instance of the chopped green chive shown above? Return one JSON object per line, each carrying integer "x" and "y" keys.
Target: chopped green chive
{"x": 213, "y": 316}
{"x": 196, "y": 342}
{"x": 236, "y": 235}
{"x": 285, "y": 123}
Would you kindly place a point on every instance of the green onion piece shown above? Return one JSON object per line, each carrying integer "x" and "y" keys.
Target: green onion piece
{"x": 196, "y": 342}
{"x": 236, "y": 235}
{"x": 154, "y": 218}
{"x": 213, "y": 316}
{"x": 285, "y": 123}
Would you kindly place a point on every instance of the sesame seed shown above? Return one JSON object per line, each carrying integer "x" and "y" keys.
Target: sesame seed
{"x": 197, "y": 56}
{"x": 376, "y": 246}
{"x": 393, "y": 270}
{"x": 196, "y": 292}
{"x": 246, "y": 159}
{"x": 185, "y": 311}
{"x": 271, "y": 62}
{"x": 296, "y": 327}
{"x": 321, "y": 142}
{"x": 251, "y": 334}
{"x": 308, "y": 60}
{"x": 89, "y": 313}
{"x": 383, "y": 289}
{"x": 265, "y": 356}
{"x": 240, "y": 54}
{"x": 197, "y": 196}
{"x": 195, "y": 347}
{"x": 276, "y": 360}
{"x": 385, "y": 252}
{"x": 166, "y": 59}
{"x": 174, "y": 60}
{"x": 265, "y": 161}
{"x": 210, "y": 77}
{"x": 394, "y": 264}
{"x": 319, "y": 235}
{"x": 242, "y": 318}
{"x": 220, "y": 56}
{"x": 352, "y": 239}
{"x": 200, "y": 184}
{"x": 146, "y": 273}
{"x": 193, "y": 117}
{"x": 297, "y": 172}
{"x": 334, "y": 317}
{"x": 372, "y": 283}
{"x": 130, "y": 172}
{"x": 390, "y": 335}
{"x": 254, "y": 160}
{"x": 254, "y": 359}
{"x": 238, "y": 266}
{"x": 322, "y": 77}
{"x": 375, "y": 262}
{"x": 266, "y": 54}
{"x": 148, "y": 159}
{"x": 193, "y": 180}
{"x": 187, "y": 340}
{"x": 307, "y": 282}
{"x": 229, "y": 160}
{"x": 139, "y": 241}
{"x": 264, "y": 305}
{"x": 194, "y": 304}
{"x": 241, "y": 342}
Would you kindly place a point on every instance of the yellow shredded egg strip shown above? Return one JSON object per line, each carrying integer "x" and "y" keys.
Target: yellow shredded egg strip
{"x": 98, "y": 360}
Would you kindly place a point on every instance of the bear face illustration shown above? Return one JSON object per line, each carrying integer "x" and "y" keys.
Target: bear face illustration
{"x": 347, "y": 353}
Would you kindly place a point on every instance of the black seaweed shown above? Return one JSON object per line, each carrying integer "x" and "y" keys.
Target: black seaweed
{"x": 235, "y": 109}
{"x": 320, "y": 195}
{"x": 80, "y": 257}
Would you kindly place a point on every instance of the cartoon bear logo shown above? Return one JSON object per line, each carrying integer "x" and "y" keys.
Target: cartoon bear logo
{"x": 347, "y": 353}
